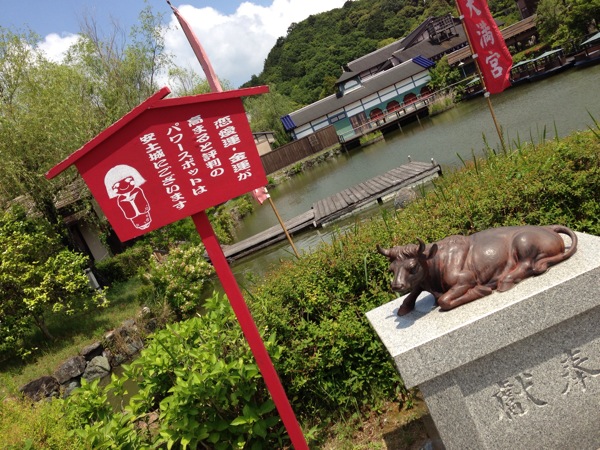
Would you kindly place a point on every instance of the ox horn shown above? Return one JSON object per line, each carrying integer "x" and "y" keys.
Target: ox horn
{"x": 384, "y": 251}
{"x": 421, "y": 246}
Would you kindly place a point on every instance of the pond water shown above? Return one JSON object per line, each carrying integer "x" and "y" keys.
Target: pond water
{"x": 558, "y": 105}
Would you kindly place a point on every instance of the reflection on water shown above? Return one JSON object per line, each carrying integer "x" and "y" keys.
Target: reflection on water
{"x": 560, "y": 104}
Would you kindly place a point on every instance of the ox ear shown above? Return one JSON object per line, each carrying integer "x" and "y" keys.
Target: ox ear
{"x": 421, "y": 251}
{"x": 432, "y": 251}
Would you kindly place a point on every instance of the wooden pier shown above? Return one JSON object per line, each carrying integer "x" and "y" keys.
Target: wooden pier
{"x": 332, "y": 208}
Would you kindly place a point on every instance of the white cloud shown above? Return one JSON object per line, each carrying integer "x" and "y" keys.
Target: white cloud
{"x": 55, "y": 46}
{"x": 238, "y": 44}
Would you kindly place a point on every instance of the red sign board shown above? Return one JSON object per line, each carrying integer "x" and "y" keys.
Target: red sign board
{"x": 172, "y": 158}
{"x": 169, "y": 159}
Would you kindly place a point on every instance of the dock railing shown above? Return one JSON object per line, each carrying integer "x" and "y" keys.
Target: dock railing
{"x": 387, "y": 118}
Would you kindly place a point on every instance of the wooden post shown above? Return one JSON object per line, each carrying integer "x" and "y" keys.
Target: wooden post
{"x": 289, "y": 238}
{"x": 486, "y": 93}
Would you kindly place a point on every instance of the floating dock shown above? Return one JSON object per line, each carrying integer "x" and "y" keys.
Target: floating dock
{"x": 343, "y": 203}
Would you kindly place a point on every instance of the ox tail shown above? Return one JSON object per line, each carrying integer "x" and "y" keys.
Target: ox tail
{"x": 542, "y": 265}
{"x": 560, "y": 229}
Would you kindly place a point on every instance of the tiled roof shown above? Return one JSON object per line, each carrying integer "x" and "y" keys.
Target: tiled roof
{"x": 370, "y": 86}
{"x": 403, "y": 50}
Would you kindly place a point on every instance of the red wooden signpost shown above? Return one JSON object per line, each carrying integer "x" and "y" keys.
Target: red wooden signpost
{"x": 173, "y": 158}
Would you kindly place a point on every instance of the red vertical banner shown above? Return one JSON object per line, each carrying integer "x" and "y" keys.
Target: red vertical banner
{"x": 487, "y": 43}
{"x": 211, "y": 76}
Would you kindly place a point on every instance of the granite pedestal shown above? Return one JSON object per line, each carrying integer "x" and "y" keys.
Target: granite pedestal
{"x": 513, "y": 370}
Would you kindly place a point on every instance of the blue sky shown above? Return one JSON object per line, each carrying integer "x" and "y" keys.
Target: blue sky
{"x": 236, "y": 35}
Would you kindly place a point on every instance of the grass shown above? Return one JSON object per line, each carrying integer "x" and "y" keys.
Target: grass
{"x": 390, "y": 427}
{"x": 24, "y": 425}
{"x": 442, "y": 103}
{"x": 71, "y": 335}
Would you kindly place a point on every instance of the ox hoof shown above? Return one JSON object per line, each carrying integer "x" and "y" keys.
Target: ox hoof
{"x": 505, "y": 286}
{"x": 404, "y": 310}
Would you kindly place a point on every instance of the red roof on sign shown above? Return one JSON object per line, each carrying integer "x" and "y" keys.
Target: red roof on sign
{"x": 156, "y": 101}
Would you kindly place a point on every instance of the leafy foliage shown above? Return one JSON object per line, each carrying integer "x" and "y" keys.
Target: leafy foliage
{"x": 52, "y": 109}
{"x": 442, "y": 75}
{"x": 125, "y": 265}
{"x": 38, "y": 277}
{"x": 316, "y": 307}
{"x": 265, "y": 112}
{"x": 559, "y": 21}
{"x": 198, "y": 386}
{"x": 178, "y": 281}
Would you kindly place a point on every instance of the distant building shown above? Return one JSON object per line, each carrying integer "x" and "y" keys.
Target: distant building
{"x": 527, "y": 8}
{"x": 382, "y": 81}
{"x": 263, "y": 141}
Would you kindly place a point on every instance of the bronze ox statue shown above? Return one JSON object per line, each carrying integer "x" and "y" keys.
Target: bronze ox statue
{"x": 460, "y": 269}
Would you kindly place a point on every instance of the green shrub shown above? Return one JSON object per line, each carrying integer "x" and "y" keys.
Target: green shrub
{"x": 178, "y": 281}
{"x": 39, "y": 279}
{"x": 198, "y": 387}
{"x": 125, "y": 265}
{"x": 334, "y": 363}
{"x": 91, "y": 418}
{"x": 316, "y": 306}
{"x": 177, "y": 233}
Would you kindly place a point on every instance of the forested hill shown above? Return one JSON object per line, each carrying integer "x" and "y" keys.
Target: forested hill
{"x": 305, "y": 64}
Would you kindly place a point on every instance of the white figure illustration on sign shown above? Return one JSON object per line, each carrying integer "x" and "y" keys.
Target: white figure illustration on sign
{"x": 123, "y": 182}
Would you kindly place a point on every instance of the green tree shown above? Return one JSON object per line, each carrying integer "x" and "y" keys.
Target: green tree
{"x": 121, "y": 72}
{"x": 559, "y": 21}
{"x": 442, "y": 75}
{"x": 265, "y": 113}
{"x": 45, "y": 112}
{"x": 550, "y": 17}
{"x": 48, "y": 110}
{"x": 583, "y": 16}
{"x": 185, "y": 81}
{"x": 38, "y": 278}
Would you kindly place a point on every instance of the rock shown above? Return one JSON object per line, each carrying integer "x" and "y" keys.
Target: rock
{"x": 91, "y": 351}
{"x": 403, "y": 197}
{"x": 71, "y": 368}
{"x": 98, "y": 367}
{"x": 70, "y": 387}
{"x": 129, "y": 323}
{"x": 114, "y": 359}
{"x": 145, "y": 312}
{"x": 41, "y": 388}
{"x": 132, "y": 344}
{"x": 146, "y": 320}
{"x": 151, "y": 325}
{"x": 123, "y": 341}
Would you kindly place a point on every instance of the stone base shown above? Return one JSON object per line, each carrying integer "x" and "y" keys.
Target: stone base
{"x": 514, "y": 370}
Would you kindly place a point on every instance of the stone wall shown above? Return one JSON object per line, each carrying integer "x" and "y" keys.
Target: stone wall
{"x": 96, "y": 360}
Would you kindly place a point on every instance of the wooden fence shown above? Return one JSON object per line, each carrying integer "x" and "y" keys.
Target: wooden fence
{"x": 293, "y": 152}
